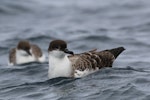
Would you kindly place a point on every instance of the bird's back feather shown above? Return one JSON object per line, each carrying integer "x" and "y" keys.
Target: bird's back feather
{"x": 95, "y": 59}
{"x": 36, "y": 50}
{"x": 12, "y": 56}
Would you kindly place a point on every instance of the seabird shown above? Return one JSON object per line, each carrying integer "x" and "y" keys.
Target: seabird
{"x": 25, "y": 52}
{"x": 78, "y": 65}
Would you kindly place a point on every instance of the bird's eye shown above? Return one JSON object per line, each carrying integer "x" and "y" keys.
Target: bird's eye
{"x": 26, "y": 48}
{"x": 56, "y": 47}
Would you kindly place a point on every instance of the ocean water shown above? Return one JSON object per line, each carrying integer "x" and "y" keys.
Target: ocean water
{"x": 84, "y": 24}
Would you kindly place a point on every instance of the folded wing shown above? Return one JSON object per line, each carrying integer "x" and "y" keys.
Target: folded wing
{"x": 95, "y": 59}
{"x": 12, "y": 56}
{"x": 36, "y": 51}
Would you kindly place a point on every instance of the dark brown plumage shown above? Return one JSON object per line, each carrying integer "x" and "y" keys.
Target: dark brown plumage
{"x": 57, "y": 44}
{"x": 95, "y": 59}
{"x": 12, "y": 56}
{"x": 36, "y": 51}
{"x": 24, "y": 45}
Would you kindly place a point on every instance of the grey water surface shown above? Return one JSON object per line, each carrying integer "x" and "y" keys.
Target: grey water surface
{"x": 85, "y": 25}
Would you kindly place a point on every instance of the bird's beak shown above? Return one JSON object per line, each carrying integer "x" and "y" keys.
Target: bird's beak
{"x": 69, "y": 52}
{"x": 28, "y": 51}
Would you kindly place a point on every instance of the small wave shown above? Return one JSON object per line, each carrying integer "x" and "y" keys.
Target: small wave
{"x": 131, "y": 89}
{"x": 116, "y": 73}
{"x": 3, "y": 48}
{"x": 141, "y": 81}
{"x": 3, "y": 10}
{"x": 116, "y": 70}
{"x": 51, "y": 82}
{"x": 40, "y": 37}
{"x": 98, "y": 37}
{"x": 11, "y": 9}
{"x": 27, "y": 68}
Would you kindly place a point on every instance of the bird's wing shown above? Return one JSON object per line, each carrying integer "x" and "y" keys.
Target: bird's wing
{"x": 93, "y": 59}
{"x": 12, "y": 56}
{"x": 36, "y": 51}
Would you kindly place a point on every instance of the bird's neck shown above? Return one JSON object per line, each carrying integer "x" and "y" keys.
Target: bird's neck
{"x": 59, "y": 66}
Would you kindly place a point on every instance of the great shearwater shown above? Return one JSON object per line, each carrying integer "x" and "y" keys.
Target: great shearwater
{"x": 77, "y": 65}
{"x": 25, "y": 52}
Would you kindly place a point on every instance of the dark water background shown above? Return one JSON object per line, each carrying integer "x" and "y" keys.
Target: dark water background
{"x": 84, "y": 24}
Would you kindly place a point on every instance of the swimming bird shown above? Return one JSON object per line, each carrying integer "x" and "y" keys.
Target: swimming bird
{"x": 78, "y": 65}
{"x": 25, "y": 52}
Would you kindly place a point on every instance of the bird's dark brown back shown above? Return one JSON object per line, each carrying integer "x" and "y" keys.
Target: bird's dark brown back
{"x": 36, "y": 51}
{"x": 12, "y": 56}
{"x": 93, "y": 59}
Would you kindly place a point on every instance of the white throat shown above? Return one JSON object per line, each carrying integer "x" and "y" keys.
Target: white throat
{"x": 59, "y": 65}
{"x": 23, "y": 57}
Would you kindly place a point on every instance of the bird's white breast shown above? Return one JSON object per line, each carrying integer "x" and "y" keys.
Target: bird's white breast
{"x": 59, "y": 67}
{"x": 20, "y": 58}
